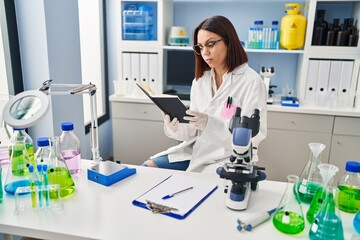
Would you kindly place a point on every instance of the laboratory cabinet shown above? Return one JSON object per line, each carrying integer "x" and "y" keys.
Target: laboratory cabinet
{"x": 138, "y": 131}
{"x": 286, "y": 148}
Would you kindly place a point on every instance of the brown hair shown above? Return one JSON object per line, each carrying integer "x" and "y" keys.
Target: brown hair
{"x": 222, "y": 26}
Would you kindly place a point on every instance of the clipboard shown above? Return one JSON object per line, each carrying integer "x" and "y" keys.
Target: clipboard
{"x": 181, "y": 205}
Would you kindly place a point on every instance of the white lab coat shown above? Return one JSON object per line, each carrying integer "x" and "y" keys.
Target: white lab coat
{"x": 209, "y": 149}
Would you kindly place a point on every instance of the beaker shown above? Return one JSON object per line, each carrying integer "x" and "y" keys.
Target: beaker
{"x": 59, "y": 172}
{"x": 327, "y": 224}
{"x": 289, "y": 217}
{"x": 310, "y": 178}
{"x": 17, "y": 175}
{"x": 327, "y": 172}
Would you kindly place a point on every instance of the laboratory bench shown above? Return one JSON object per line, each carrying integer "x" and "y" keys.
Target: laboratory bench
{"x": 98, "y": 212}
{"x": 138, "y": 133}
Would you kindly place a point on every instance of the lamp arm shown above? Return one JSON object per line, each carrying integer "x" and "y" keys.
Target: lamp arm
{"x": 94, "y": 127}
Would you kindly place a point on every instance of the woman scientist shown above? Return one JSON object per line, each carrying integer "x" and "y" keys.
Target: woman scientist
{"x": 221, "y": 72}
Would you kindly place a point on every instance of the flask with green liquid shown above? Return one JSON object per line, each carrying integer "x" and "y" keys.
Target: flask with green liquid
{"x": 327, "y": 172}
{"x": 327, "y": 224}
{"x": 59, "y": 172}
{"x": 310, "y": 178}
{"x": 21, "y": 133}
{"x": 289, "y": 217}
{"x": 349, "y": 188}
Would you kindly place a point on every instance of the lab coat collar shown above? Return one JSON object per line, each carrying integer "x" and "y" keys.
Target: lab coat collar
{"x": 227, "y": 78}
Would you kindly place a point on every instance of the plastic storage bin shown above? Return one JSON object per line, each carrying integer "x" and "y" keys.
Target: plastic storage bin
{"x": 138, "y": 23}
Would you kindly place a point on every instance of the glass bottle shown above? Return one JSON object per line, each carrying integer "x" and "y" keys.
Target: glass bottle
{"x": 327, "y": 172}
{"x": 289, "y": 217}
{"x": 17, "y": 175}
{"x": 349, "y": 188}
{"x": 59, "y": 173}
{"x": 327, "y": 224}
{"x": 356, "y": 222}
{"x": 19, "y": 133}
{"x": 310, "y": 177}
{"x": 70, "y": 147}
{"x": 42, "y": 154}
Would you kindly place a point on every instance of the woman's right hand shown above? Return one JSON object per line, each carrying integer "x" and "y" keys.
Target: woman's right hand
{"x": 171, "y": 126}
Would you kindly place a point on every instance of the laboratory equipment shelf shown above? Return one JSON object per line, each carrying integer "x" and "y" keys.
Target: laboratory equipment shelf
{"x": 189, "y": 48}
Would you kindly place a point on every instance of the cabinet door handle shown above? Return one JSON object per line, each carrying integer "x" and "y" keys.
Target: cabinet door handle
{"x": 293, "y": 122}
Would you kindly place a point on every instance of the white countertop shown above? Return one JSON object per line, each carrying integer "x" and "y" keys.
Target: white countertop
{"x": 99, "y": 212}
{"x": 346, "y": 112}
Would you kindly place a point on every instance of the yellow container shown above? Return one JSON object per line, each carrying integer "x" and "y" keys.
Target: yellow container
{"x": 293, "y": 26}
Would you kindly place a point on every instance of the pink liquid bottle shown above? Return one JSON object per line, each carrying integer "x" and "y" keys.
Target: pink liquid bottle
{"x": 70, "y": 147}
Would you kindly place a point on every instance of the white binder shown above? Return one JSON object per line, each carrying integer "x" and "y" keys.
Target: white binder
{"x": 135, "y": 74}
{"x": 144, "y": 69}
{"x": 334, "y": 81}
{"x": 126, "y": 73}
{"x": 345, "y": 84}
{"x": 322, "y": 83}
{"x": 311, "y": 81}
{"x": 154, "y": 81}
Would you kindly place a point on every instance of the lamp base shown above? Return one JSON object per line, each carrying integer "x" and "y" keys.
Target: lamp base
{"x": 107, "y": 173}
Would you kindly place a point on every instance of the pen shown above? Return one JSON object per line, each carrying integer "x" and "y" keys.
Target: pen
{"x": 229, "y": 102}
{"x": 255, "y": 221}
{"x": 173, "y": 194}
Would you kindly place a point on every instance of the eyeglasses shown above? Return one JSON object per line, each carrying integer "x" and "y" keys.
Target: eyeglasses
{"x": 209, "y": 45}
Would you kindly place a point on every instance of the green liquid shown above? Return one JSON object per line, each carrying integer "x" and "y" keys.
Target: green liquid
{"x": 349, "y": 199}
{"x": 327, "y": 226}
{"x": 316, "y": 204}
{"x": 307, "y": 191}
{"x": 19, "y": 162}
{"x": 61, "y": 176}
{"x": 33, "y": 194}
{"x": 30, "y": 152}
{"x": 296, "y": 223}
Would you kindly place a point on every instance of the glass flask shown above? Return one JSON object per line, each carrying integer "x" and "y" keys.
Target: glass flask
{"x": 289, "y": 217}
{"x": 17, "y": 175}
{"x": 59, "y": 172}
{"x": 327, "y": 172}
{"x": 19, "y": 133}
{"x": 349, "y": 188}
{"x": 327, "y": 224}
{"x": 356, "y": 222}
{"x": 310, "y": 178}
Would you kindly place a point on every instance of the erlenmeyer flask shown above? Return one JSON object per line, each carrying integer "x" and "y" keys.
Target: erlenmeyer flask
{"x": 310, "y": 178}
{"x": 327, "y": 224}
{"x": 289, "y": 217}
{"x": 327, "y": 172}
{"x": 59, "y": 172}
{"x": 17, "y": 175}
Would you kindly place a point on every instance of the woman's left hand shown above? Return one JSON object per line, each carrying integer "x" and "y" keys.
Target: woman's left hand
{"x": 198, "y": 119}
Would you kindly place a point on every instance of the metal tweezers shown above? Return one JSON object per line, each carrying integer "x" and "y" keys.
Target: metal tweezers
{"x": 158, "y": 208}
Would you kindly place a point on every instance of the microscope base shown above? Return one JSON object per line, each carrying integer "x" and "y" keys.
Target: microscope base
{"x": 238, "y": 205}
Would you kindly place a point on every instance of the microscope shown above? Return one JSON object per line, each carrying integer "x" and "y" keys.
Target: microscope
{"x": 241, "y": 174}
{"x": 267, "y": 74}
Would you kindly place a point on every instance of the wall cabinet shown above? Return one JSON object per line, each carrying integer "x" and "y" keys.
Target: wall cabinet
{"x": 137, "y": 131}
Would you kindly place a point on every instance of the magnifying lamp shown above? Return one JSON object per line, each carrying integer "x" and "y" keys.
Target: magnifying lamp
{"x": 29, "y": 107}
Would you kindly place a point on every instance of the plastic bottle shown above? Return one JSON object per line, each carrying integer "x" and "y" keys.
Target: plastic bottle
{"x": 42, "y": 154}
{"x": 349, "y": 188}
{"x": 18, "y": 133}
{"x": 292, "y": 32}
{"x": 70, "y": 147}
{"x": 356, "y": 222}
{"x": 289, "y": 217}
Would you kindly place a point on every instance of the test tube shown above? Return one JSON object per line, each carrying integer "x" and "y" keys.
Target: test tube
{"x": 46, "y": 184}
{"x": 39, "y": 184}
{"x": 32, "y": 180}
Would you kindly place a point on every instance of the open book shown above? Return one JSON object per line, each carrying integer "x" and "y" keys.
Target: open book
{"x": 169, "y": 104}
{"x": 191, "y": 193}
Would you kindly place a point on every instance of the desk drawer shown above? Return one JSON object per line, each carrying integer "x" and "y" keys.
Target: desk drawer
{"x": 300, "y": 122}
{"x": 347, "y": 126}
{"x": 146, "y": 111}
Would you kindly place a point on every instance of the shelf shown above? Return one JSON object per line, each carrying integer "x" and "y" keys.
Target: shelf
{"x": 189, "y": 48}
